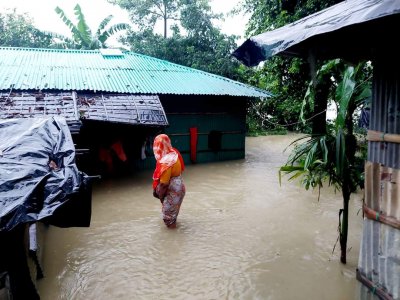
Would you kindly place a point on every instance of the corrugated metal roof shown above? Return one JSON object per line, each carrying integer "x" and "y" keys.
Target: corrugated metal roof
{"x": 89, "y": 70}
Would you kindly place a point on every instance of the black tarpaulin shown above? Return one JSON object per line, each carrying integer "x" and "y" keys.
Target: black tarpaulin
{"x": 30, "y": 190}
{"x": 352, "y": 28}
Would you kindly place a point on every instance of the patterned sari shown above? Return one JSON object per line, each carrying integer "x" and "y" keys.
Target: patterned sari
{"x": 166, "y": 156}
{"x": 173, "y": 200}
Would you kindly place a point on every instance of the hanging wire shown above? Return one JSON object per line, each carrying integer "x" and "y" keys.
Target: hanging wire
{"x": 290, "y": 124}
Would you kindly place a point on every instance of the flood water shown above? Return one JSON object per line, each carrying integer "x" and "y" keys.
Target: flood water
{"x": 240, "y": 235}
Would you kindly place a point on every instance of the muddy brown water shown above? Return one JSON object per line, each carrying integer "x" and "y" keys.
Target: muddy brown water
{"x": 240, "y": 235}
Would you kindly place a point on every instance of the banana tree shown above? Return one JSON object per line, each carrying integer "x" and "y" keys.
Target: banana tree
{"x": 82, "y": 37}
{"x": 331, "y": 158}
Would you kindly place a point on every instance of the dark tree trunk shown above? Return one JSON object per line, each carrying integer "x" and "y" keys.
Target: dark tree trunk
{"x": 320, "y": 106}
{"x": 165, "y": 27}
{"x": 321, "y": 89}
{"x": 344, "y": 224}
{"x": 165, "y": 19}
{"x": 347, "y": 188}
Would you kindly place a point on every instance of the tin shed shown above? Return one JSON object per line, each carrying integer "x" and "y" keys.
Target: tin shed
{"x": 359, "y": 29}
{"x": 125, "y": 99}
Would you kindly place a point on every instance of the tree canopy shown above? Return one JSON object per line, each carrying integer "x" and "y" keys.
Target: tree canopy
{"x": 192, "y": 15}
{"x": 194, "y": 40}
{"x": 145, "y": 13}
{"x": 272, "y": 14}
{"x": 286, "y": 78}
{"x": 17, "y": 30}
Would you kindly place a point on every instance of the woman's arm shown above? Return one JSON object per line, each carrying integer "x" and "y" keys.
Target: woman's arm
{"x": 162, "y": 187}
{"x": 161, "y": 190}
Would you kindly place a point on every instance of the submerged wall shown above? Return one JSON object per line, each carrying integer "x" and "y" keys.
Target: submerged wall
{"x": 220, "y": 123}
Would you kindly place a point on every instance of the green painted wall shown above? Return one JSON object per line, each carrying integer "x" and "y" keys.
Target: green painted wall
{"x": 225, "y": 114}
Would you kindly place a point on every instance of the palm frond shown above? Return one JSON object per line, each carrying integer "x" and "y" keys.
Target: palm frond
{"x": 297, "y": 140}
{"x": 103, "y": 24}
{"x": 301, "y": 150}
{"x": 64, "y": 18}
{"x": 112, "y": 30}
{"x": 74, "y": 30}
{"x": 324, "y": 148}
{"x": 340, "y": 152}
{"x": 310, "y": 156}
{"x": 290, "y": 169}
{"x": 83, "y": 28}
{"x": 296, "y": 175}
{"x": 329, "y": 67}
{"x": 344, "y": 93}
{"x": 363, "y": 89}
{"x": 308, "y": 99}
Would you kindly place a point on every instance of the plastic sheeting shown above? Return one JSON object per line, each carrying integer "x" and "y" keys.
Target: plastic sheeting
{"x": 330, "y": 33}
{"x": 30, "y": 190}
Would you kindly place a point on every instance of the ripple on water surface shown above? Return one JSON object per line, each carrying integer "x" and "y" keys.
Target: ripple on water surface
{"x": 240, "y": 235}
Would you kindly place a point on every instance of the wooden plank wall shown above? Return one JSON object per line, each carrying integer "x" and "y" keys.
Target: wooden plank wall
{"x": 130, "y": 109}
{"x": 36, "y": 104}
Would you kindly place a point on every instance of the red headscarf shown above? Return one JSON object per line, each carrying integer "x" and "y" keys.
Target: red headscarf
{"x": 165, "y": 155}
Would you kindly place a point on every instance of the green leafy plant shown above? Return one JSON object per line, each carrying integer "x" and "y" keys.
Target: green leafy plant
{"x": 331, "y": 158}
{"x": 285, "y": 77}
{"x": 82, "y": 37}
{"x": 17, "y": 30}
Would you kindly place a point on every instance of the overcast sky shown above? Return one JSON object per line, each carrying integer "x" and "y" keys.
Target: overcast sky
{"x": 45, "y": 18}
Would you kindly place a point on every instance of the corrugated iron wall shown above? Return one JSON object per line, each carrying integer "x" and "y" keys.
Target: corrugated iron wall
{"x": 385, "y": 114}
{"x": 379, "y": 260}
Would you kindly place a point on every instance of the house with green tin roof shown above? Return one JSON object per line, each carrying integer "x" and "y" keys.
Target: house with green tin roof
{"x": 107, "y": 95}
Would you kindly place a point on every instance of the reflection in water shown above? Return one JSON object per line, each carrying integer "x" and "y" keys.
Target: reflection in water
{"x": 240, "y": 236}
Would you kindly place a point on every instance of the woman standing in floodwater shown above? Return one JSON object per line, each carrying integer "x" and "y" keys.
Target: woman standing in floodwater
{"x": 168, "y": 184}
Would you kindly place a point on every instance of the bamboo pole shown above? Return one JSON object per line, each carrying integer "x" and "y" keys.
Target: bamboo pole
{"x": 375, "y": 289}
{"x": 380, "y": 217}
{"x": 378, "y": 136}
